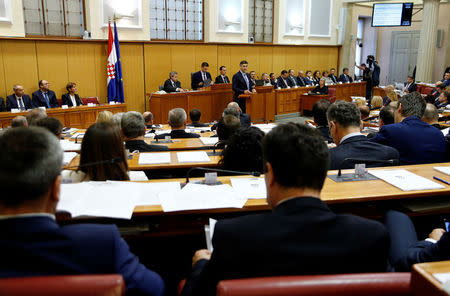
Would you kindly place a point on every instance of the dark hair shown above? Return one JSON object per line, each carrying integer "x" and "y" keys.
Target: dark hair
{"x": 102, "y": 141}
{"x": 195, "y": 115}
{"x": 410, "y": 76}
{"x": 221, "y": 67}
{"x": 243, "y": 151}
{"x": 30, "y": 162}
{"x": 205, "y": 64}
{"x": 244, "y": 62}
{"x": 364, "y": 110}
{"x": 323, "y": 73}
{"x": 227, "y": 126}
{"x": 345, "y": 114}
{"x": 19, "y": 121}
{"x": 308, "y": 71}
{"x": 40, "y": 82}
{"x": 345, "y": 69}
{"x": 70, "y": 85}
{"x": 298, "y": 155}
{"x": 319, "y": 112}
{"x": 148, "y": 117}
{"x": 283, "y": 72}
{"x": 270, "y": 75}
{"x": 333, "y": 69}
{"x": 52, "y": 124}
{"x": 412, "y": 105}
{"x": 252, "y": 72}
{"x": 387, "y": 114}
{"x": 447, "y": 95}
{"x": 430, "y": 99}
{"x": 315, "y": 72}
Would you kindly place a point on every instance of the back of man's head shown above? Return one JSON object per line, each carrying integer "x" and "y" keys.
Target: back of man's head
{"x": 319, "y": 112}
{"x": 431, "y": 114}
{"x": 52, "y": 124}
{"x": 365, "y": 111}
{"x": 116, "y": 119}
{"x": 412, "y": 105}
{"x": 231, "y": 111}
{"x": 387, "y": 115}
{"x": 177, "y": 118}
{"x": 30, "y": 162}
{"x": 227, "y": 126}
{"x": 133, "y": 125}
{"x": 19, "y": 121}
{"x": 234, "y": 105}
{"x": 195, "y": 115}
{"x": 345, "y": 114}
{"x": 298, "y": 156}
{"x": 148, "y": 117}
{"x": 35, "y": 115}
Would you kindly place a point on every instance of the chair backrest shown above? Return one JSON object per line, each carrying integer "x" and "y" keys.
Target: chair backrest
{"x": 370, "y": 284}
{"x": 427, "y": 90}
{"x": 332, "y": 91}
{"x": 110, "y": 285}
{"x": 59, "y": 102}
{"x": 419, "y": 89}
{"x": 90, "y": 100}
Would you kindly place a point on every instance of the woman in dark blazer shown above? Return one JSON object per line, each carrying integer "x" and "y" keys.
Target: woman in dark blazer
{"x": 71, "y": 97}
{"x": 316, "y": 77}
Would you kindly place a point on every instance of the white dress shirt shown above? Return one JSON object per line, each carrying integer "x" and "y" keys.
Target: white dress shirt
{"x": 72, "y": 98}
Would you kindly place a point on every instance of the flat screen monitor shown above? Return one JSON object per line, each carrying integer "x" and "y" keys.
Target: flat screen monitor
{"x": 392, "y": 14}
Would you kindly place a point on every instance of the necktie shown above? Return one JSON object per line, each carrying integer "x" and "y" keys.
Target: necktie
{"x": 246, "y": 81}
{"x": 204, "y": 76}
{"x": 46, "y": 100}
{"x": 224, "y": 79}
{"x": 346, "y": 78}
{"x": 21, "y": 106}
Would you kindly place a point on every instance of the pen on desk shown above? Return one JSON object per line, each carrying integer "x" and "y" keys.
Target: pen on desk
{"x": 443, "y": 181}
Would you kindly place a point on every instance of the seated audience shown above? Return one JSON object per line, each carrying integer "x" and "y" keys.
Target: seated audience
{"x": 19, "y": 121}
{"x": 18, "y": 100}
{"x": 116, "y": 119}
{"x": 44, "y": 97}
{"x": 316, "y": 77}
{"x": 344, "y": 120}
{"x": 245, "y": 119}
{"x": 195, "y": 115}
{"x": 345, "y": 78}
{"x": 71, "y": 99}
{"x": 327, "y": 79}
{"x": 390, "y": 97}
{"x": 242, "y": 151}
{"x": 309, "y": 78}
{"x": 446, "y": 80}
{"x": 301, "y": 235}
{"x": 226, "y": 127}
{"x": 222, "y": 78}
{"x": 52, "y": 124}
{"x": 133, "y": 131}
{"x": 177, "y": 121}
{"x": 431, "y": 116}
{"x": 406, "y": 249}
{"x": 266, "y": 79}
{"x": 292, "y": 80}
{"x": 377, "y": 103}
{"x": 253, "y": 77}
{"x": 172, "y": 84}
{"x": 319, "y": 113}
{"x": 444, "y": 99}
{"x": 103, "y": 116}
{"x": 35, "y": 115}
{"x": 410, "y": 85}
{"x": 148, "y": 119}
{"x": 101, "y": 142}
{"x": 273, "y": 79}
{"x": 416, "y": 141}
{"x": 33, "y": 242}
{"x": 438, "y": 90}
{"x": 321, "y": 88}
{"x": 386, "y": 117}
{"x": 282, "y": 80}
{"x": 332, "y": 75}
{"x": 301, "y": 81}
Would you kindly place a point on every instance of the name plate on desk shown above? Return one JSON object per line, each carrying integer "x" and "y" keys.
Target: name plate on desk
{"x": 15, "y": 110}
{"x": 64, "y": 107}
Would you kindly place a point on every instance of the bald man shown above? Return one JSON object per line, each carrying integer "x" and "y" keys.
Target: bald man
{"x": 18, "y": 100}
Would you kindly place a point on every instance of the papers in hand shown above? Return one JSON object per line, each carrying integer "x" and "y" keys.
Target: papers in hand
{"x": 196, "y": 156}
{"x": 67, "y": 145}
{"x": 68, "y": 157}
{"x": 445, "y": 170}
{"x": 199, "y": 196}
{"x": 154, "y": 158}
{"x": 251, "y": 188}
{"x": 209, "y": 141}
{"x": 405, "y": 180}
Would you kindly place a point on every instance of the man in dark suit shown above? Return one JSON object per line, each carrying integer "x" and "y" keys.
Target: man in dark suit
{"x": 301, "y": 78}
{"x": 222, "y": 78}
{"x": 301, "y": 235}
{"x": 71, "y": 99}
{"x": 172, "y": 84}
{"x": 416, "y": 141}
{"x": 177, "y": 121}
{"x": 18, "y": 100}
{"x": 133, "y": 130}
{"x": 446, "y": 80}
{"x": 195, "y": 115}
{"x": 443, "y": 100}
{"x": 319, "y": 113}
{"x": 33, "y": 244}
{"x": 345, "y": 78}
{"x": 244, "y": 118}
{"x": 201, "y": 78}
{"x": 292, "y": 79}
{"x": 2, "y": 104}
{"x": 273, "y": 79}
{"x": 242, "y": 84}
{"x": 332, "y": 75}
{"x": 410, "y": 85}
{"x": 344, "y": 120}
{"x": 44, "y": 97}
{"x": 282, "y": 80}
{"x": 431, "y": 116}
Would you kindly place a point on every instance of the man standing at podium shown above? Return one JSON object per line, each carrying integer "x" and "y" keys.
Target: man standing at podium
{"x": 242, "y": 84}
{"x": 201, "y": 78}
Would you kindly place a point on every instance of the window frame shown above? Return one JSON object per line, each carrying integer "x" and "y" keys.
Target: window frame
{"x": 254, "y": 21}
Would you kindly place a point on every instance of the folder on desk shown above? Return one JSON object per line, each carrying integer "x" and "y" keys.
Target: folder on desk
{"x": 405, "y": 180}
{"x": 154, "y": 158}
{"x": 195, "y": 156}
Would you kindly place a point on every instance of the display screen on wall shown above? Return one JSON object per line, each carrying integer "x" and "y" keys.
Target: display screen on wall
{"x": 392, "y": 14}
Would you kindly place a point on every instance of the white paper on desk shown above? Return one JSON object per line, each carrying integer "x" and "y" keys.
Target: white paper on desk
{"x": 445, "y": 131}
{"x": 200, "y": 128}
{"x": 77, "y": 136}
{"x": 209, "y": 141}
{"x": 442, "y": 277}
{"x": 69, "y": 145}
{"x": 72, "y": 196}
{"x": 137, "y": 176}
{"x": 251, "y": 188}
{"x": 154, "y": 157}
{"x": 151, "y": 192}
{"x": 199, "y": 197}
{"x": 405, "y": 180}
{"x": 445, "y": 170}
{"x": 68, "y": 157}
{"x": 195, "y": 156}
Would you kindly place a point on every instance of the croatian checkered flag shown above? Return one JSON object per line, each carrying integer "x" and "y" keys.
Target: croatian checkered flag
{"x": 114, "y": 68}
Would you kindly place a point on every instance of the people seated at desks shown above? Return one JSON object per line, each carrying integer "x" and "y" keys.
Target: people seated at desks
{"x": 242, "y": 84}
{"x": 44, "y": 97}
{"x": 35, "y": 115}
{"x": 436, "y": 92}
{"x": 201, "y": 78}
{"x": 345, "y": 124}
{"x": 273, "y": 79}
{"x": 292, "y": 80}
{"x": 53, "y": 125}
{"x": 416, "y": 141}
{"x": 377, "y": 103}
{"x": 195, "y": 115}
{"x": 446, "y": 80}
{"x": 332, "y": 75}
{"x": 243, "y": 151}
{"x": 172, "y": 84}
{"x": 222, "y": 78}
{"x": 245, "y": 119}
{"x": 18, "y": 100}
{"x": 309, "y": 78}
{"x": 253, "y": 77}
{"x": 443, "y": 100}
{"x": 133, "y": 131}
{"x": 301, "y": 235}
{"x": 410, "y": 85}
{"x": 177, "y": 121}
{"x": 406, "y": 248}
{"x": 226, "y": 127}
{"x": 71, "y": 99}
{"x": 319, "y": 113}
{"x": 327, "y": 79}
{"x": 386, "y": 117}
{"x": 103, "y": 116}
{"x": 301, "y": 81}
{"x": 321, "y": 88}
{"x": 19, "y": 121}
{"x": 282, "y": 80}
{"x": 266, "y": 79}
{"x": 431, "y": 116}
{"x": 148, "y": 119}
{"x": 316, "y": 77}
{"x": 33, "y": 242}
{"x": 364, "y": 111}
{"x": 345, "y": 78}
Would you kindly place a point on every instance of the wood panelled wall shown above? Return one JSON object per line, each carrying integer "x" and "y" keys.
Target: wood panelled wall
{"x": 145, "y": 65}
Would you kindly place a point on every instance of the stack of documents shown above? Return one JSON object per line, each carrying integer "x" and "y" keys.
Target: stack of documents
{"x": 154, "y": 158}
{"x": 67, "y": 145}
{"x": 68, "y": 157}
{"x": 209, "y": 141}
{"x": 405, "y": 180}
{"x": 251, "y": 188}
{"x": 195, "y": 156}
{"x": 445, "y": 170}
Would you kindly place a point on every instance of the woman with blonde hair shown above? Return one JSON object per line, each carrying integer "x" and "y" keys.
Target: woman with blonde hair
{"x": 377, "y": 102}
{"x": 104, "y": 116}
{"x": 391, "y": 97}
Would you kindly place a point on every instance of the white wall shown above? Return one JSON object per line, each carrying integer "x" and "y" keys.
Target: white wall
{"x": 16, "y": 28}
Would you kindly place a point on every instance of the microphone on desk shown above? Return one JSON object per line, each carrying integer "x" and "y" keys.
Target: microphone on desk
{"x": 76, "y": 138}
{"x": 109, "y": 161}
{"x": 256, "y": 174}
{"x": 367, "y": 161}
{"x": 216, "y": 146}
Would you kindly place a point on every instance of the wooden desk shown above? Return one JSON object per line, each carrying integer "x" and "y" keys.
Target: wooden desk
{"x": 307, "y": 101}
{"x": 424, "y": 283}
{"x": 378, "y": 91}
{"x": 77, "y": 117}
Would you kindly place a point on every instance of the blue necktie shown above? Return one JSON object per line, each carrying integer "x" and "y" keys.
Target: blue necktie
{"x": 21, "y": 106}
{"x": 46, "y": 100}
{"x": 246, "y": 81}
